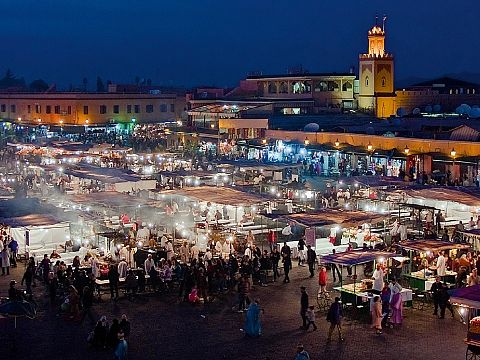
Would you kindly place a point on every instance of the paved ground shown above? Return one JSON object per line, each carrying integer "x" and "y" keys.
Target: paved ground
{"x": 163, "y": 329}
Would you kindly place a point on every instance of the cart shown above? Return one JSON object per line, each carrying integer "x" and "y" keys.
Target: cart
{"x": 473, "y": 350}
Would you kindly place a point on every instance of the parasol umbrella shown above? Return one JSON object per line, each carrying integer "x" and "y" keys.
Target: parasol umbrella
{"x": 17, "y": 309}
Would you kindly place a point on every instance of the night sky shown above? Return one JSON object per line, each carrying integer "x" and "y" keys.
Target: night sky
{"x": 217, "y": 42}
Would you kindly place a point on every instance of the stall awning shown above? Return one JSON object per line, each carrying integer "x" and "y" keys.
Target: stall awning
{"x": 462, "y": 195}
{"x": 431, "y": 245}
{"x": 351, "y": 258}
{"x": 219, "y": 195}
{"x": 31, "y": 220}
{"x": 468, "y": 296}
{"x": 343, "y": 218}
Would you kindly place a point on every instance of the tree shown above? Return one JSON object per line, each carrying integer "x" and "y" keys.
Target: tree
{"x": 38, "y": 85}
{"x": 10, "y": 80}
{"x": 100, "y": 85}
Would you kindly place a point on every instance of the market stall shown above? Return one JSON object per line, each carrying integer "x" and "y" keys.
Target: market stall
{"x": 468, "y": 301}
{"x": 336, "y": 228}
{"x": 358, "y": 293}
{"x": 421, "y": 250}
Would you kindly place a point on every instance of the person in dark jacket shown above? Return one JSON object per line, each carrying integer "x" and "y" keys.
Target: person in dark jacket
{"x": 112, "y": 336}
{"x": 87, "y": 302}
{"x": 125, "y": 326}
{"x": 444, "y": 302}
{"x": 287, "y": 266}
{"x": 113, "y": 278}
{"x": 334, "y": 317}
{"x": 311, "y": 258}
{"x": 303, "y": 306}
{"x": 28, "y": 278}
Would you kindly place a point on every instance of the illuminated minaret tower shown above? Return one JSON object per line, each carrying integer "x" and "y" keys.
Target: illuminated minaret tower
{"x": 376, "y": 75}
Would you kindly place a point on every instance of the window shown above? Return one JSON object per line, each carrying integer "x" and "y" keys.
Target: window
{"x": 69, "y": 110}
{"x": 366, "y": 81}
{"x": 13, "y": 108}
{"x": 38, "y": 108}
{"x": 384, "y": 81}
{"x": 48, "y": 109}
{"x": 3, "y": 108}
{"x": 332, "y": 86}
{"x": 57, "y": 109}
{"x": 137, "y": 109}
{"x": 163, "y": 107}
{"x": 172, "y": 108}
{"x": 29, "y": 108}
{"x": 283, "y": 88}
{"x": 272, "y": 87}
{"x": 103, "y": 109}
{"x": 116, "y": 109}
{"x": 129, "y": 109}
{"x": 149, "y": 108}
{"x": 85, "y": 110}
{"x": 320, "y": 86}
{"x": 347, "y": 86}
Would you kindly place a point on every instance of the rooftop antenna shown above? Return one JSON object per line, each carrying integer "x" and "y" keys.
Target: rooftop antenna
{"x": 376, "y": 20}
{"x": 383, "y": 22}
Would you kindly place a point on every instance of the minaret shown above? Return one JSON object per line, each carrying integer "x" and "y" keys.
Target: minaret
{"x": 376, "y": 75}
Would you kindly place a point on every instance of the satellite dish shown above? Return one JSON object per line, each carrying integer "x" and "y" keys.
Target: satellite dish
{"x": 311, "y": 127}
{"x": 370, "y": 130}
{"x": 437, "y": 108}
{"x": 401, "y": 112}
{"x": 463, "y": 109}
{"x": 428, "y": 109}
{"x": 416, "y": 111}
{"x": 474, "y": 113}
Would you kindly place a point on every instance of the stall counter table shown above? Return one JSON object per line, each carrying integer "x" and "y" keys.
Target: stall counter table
{"x": 358, "y": 295}
{"x": 417, "y": 280}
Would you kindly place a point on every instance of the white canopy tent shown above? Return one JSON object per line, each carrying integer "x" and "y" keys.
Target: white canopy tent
{"x": 38, "y": 233}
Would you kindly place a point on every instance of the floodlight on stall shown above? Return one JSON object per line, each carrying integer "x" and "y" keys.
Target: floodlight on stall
{"x": 406, "y": 150}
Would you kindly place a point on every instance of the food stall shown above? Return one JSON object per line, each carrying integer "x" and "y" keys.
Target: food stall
{"x": 358, "y": 293}
{"x": 468, "y": 301}
{"x": 336, "y": 228}
{"x": 424, "y": 278}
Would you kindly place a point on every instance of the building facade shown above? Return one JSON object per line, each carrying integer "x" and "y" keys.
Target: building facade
{"x": 90, "y": 108}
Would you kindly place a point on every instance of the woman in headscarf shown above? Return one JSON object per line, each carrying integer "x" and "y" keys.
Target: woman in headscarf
{"x": 377, "y": 315}
{"x": 396, "y": 304}
{"x": 252, "y": 322}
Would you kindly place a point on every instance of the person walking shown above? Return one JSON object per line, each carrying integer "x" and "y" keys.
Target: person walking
{"x": 444, "y": 303}
{"x": 303, "y": 307}
{"x": 334, "y": 317}
{"x": 301, "y": 251}
{"x": 253, "y": 327}
{"x": 377, "y": 315}
{"x": 311, "y": 259}
{"x": 311, "y": 318}
{"x": 121, "y": 348}
{"x": 335, "y": 270}
{"x": 274, "y": 259}
{"x": 322, "y": 280}
{"x": 28, "y": 278}
{"x": 113, "y": 279}
{"x": 436, "y": 291}
{"x": 5, "y": 259}
{"x": 287, "y": 266}
{"x": 13, "y": 246}
{"x": 87, "y": 302}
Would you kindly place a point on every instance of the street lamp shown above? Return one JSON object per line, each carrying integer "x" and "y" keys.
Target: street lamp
{"x": 453, "y": 153}
{"x": 369, "y": 147}
{"x": 264, "y": 141}
{"x": 406, "y": 150}
{"x": 306, "y": 142}
{"x": 337, "y": 143}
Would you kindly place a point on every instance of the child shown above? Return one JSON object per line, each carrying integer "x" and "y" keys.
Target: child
{"x": 311, "y": 318}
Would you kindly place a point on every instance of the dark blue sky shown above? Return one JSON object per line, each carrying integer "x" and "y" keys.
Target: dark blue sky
{"x": 217, "y": 42}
